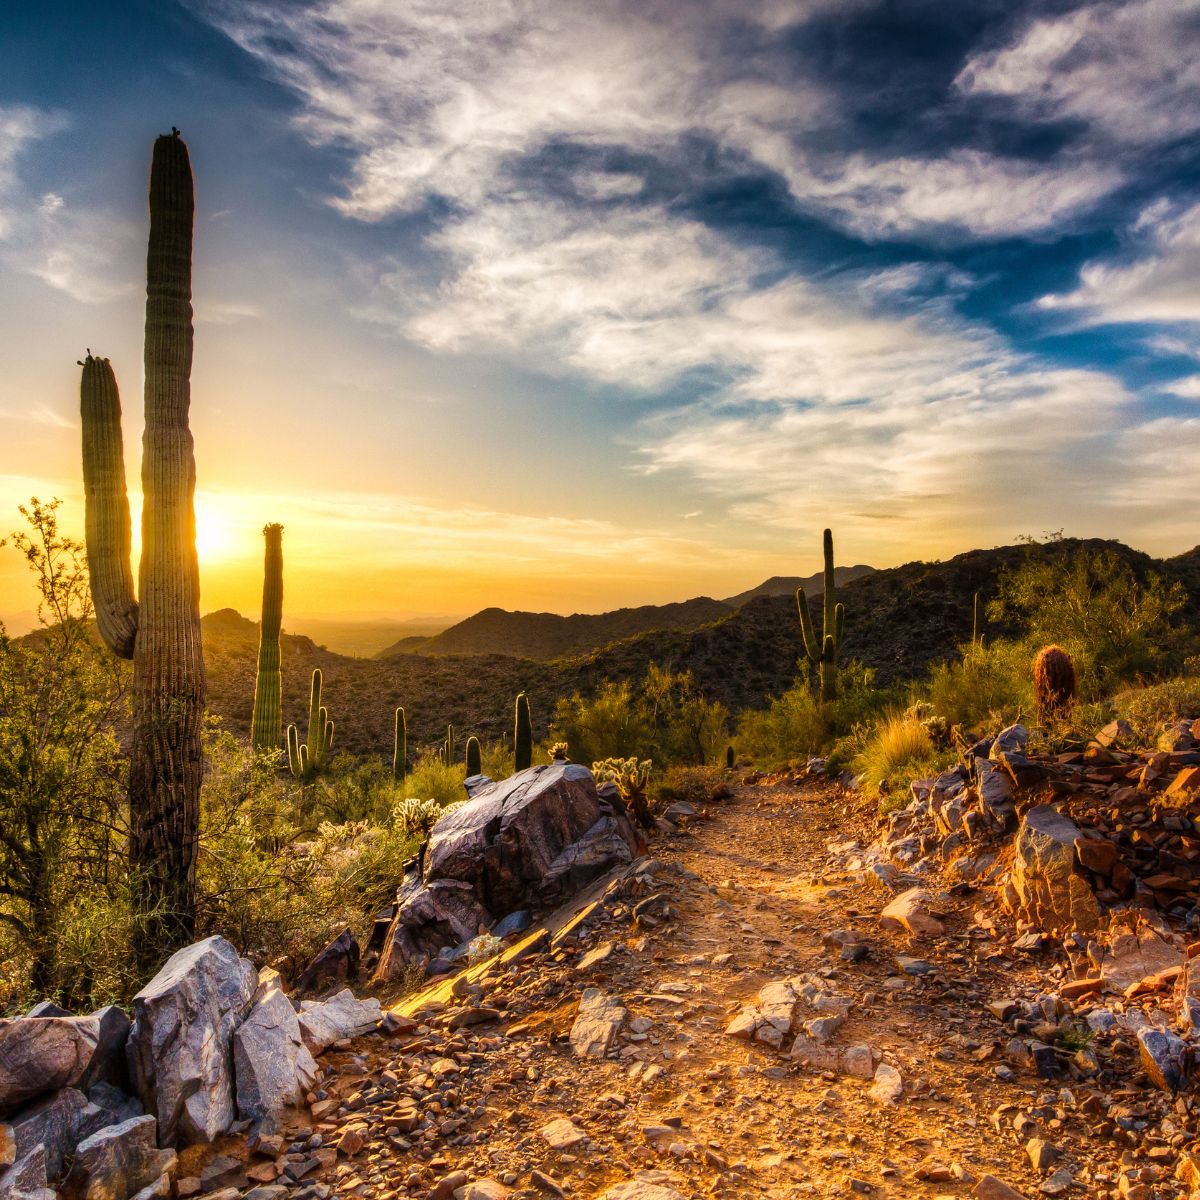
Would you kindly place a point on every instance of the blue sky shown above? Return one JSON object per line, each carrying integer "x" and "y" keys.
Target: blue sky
{"x": 568, "y": 304}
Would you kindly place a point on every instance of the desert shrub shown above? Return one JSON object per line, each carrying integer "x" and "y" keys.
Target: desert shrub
{"x": 62, "y": 801}
{"x": 989, "y": 686}
{"x": 269, "y": 881}
{"x": 351, "y": 789}
{"x": 695, "y": 785}
{"x": 797, "y": 724}
{"x": 1115, "y": 627}
{"x": 899, "y": 750}
{"x": 612, "y": 724}
{"x": 1147, "y": 709}
{"x": 432, "y": 779}
{"x": 688, "y": 728}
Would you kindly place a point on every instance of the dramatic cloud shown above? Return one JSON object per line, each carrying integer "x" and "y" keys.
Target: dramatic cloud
{"x": 439, "y": 101}
{"x": 1123, "y": 67}
{"x": 1155, "y": 280}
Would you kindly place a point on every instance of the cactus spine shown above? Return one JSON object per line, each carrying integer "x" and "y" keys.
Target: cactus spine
{"x": 823, "y": 654}
{"x": 266, "y": 727}
{"x": 474, "y": 757}
{"x": 522, "y": 735}
{"x": 400, "y": 746}
{"x": 306, "y": 758}
{"x": 161, "y": 630}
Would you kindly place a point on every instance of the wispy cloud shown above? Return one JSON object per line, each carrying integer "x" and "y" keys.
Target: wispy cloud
{"x": 1152, "y": 280}
{"x": 1122, "y": 67}
{"x": 70, "y": 249}
{"x": 446, "y": 101}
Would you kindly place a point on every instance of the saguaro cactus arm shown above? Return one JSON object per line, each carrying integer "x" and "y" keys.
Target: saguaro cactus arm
{"x": 812, "y": 647}
{"x": 108, "y": 528}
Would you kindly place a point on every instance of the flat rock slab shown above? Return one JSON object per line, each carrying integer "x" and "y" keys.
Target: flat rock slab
{"x": 597, "y": 1023}
{"x": 637, "y": 1189}
{"x": 912, "y": 910}
{"x": 562, "y": 1134}
{"x": 323, "y": 1022}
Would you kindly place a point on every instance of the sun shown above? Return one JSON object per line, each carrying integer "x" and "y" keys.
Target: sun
{"x": 214, "y": 536}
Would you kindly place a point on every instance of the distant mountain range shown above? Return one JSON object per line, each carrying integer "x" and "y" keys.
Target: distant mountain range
{"x": 547, "y": 636}
{"x": 898, "y": 621}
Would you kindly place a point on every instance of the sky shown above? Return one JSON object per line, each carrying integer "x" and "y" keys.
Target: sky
{"x": 569, "y": 304}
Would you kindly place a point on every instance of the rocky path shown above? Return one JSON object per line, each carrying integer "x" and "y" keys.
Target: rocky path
{"x": 499, "y": 1088}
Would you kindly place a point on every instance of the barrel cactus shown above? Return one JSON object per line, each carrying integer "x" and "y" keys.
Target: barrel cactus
{"x": 266, "y": 726}
{"x": 1053, "y": 683}
{"x": 160, "y": 628}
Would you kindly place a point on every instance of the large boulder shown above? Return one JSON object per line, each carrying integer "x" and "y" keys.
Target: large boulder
{"x": 271, "y": 1064}
{"x": 180, "y": 1056}
{"x": 39, "y": 1055}
{"x": 1049, "y": 889}
{"x": 118, "y": 1162}
{"x": 534, "y": 839}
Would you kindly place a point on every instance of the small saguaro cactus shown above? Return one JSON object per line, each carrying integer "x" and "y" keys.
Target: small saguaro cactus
{"x": 474, "y": 757}
{"x": 160, "y": 628}
{"x": 400, "y": 746}
{"x": 266, "y": 726}
{"x": 1053, "y": 683}
{"x": 729, "y": 758}
{"x": 823, "y": 653}
{"x": 522, "y": 735}
{"x": 447, "y": 753}
{"x": 306, "y": 758}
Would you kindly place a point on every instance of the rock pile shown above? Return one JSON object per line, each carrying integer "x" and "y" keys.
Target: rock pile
{"x": 212, "y": 1043}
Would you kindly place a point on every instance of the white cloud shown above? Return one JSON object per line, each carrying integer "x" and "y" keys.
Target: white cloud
{"x": 437, "y": 100}
{"x": 1127, "y": 68}
{"x": 72, "y": 250}
{"x": 1155, "y": 280}
{"x": 1187, "y": 388}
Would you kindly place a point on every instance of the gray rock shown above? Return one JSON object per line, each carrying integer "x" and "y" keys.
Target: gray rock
{"x": 1051, "y": 891}
{"x": 272, "y": 1067}
{"x": 26, "y": 1178}
{"x": 47, "y": 1008}
{"x": 1164, "y": 1057}
{"x": 888, "y": 1086}
{"x": 535, "y": 838}
{"x": 515, "y": 922}
{"x": 912, "y": 911}
{"x": 179, "y": 1047}
{"x": 1011, "y": 740}
{"x": 119, "y": 1105}
{"x": 39, "y": 1055}
{"x": 323, "y": 1022}
{"x": 117, "y": 1162}
{"x": 336, "y": 963}
{"x": 600, "y": 1017}
{"x": 58, "y": 1123}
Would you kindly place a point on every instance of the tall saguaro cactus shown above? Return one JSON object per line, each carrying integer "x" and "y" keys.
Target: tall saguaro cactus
{"x": 400, "y": 746}
{"x": 160, "y": 630}
{"x": 266, "y": 726}
{"x": 823, "y": 654}
{"x": 306, "y": 758}
{"x": 522, "y": 735}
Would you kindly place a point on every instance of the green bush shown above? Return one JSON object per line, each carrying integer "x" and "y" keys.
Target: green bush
{"x": 694, "y": 785}
{"x": 432, "y": 779}
{"x": 612, "y": 724}
{"x": 989, "y": 687}
{"x": 1116, "y": 627}
{"x": 1147, "y": 709}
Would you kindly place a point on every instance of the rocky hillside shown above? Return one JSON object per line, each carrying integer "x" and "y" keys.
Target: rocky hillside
{"x": 898, "y": 621}
{"x": 786, "y": 585}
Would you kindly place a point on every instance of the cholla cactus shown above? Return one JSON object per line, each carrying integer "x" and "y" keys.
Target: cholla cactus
{"x": 631, "y": 776}
{"x": 483, "y": 947}
{"x": 418, "y": 817}
{"x": 558, "y": 752}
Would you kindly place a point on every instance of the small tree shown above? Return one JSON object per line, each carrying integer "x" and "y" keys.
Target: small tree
{"x": 61, "y": 774}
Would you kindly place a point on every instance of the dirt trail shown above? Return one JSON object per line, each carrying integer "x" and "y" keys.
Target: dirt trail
{"x": 748, "y": 896}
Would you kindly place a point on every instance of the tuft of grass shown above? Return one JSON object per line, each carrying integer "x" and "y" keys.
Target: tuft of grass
{"x": 1147, "y": 709}
{"x": 899, "y": 750}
